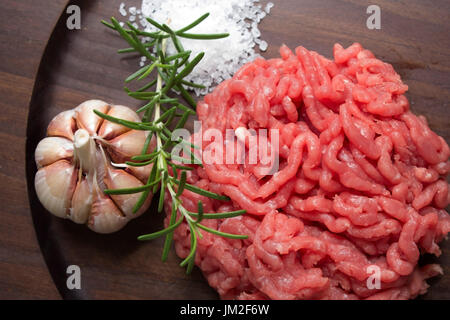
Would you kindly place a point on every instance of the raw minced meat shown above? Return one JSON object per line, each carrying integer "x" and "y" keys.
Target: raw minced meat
{"x": 361, "y": 183}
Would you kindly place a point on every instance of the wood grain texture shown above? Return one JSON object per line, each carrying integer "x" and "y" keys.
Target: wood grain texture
{"x": 81, "y": 65}
{"x": 26, "y": 27}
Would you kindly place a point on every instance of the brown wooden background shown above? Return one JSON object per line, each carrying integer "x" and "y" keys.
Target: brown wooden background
{"x": 83, "y": 64}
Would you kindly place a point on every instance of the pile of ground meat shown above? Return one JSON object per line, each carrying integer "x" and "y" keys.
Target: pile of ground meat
{"x": 361, "y": 183}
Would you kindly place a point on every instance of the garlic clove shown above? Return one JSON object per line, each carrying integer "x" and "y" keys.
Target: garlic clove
{"x": 127, "y": 145}
{"x": 63, "y": 125}
{"x": 142, "y": 173}
{"x": 54, "y": 185}
{"x": 81, "y": 202}
{"x": 86, "y": 118}
{"x": 51, "y": 149}
{"x": 105, "y": 216}
{"x": 119, "y": 179}
{"x": 110, "y": 130}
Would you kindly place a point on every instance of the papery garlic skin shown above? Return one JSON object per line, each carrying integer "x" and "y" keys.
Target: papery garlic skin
{"x": 141, "y": 173}
{"x": 52, "y": 149}
{"x": 54, "y": 186}
{"x": 119, "y": 179}
{"x": 75, "y": 166}
{"x": 86, "y": 118}
{"x": 81, "y": 202}
{"x": 63, "y": 125}
{"x": 105, "y": 216}
{"x": 110, "y": 130}
{"x": 126, "y": 145}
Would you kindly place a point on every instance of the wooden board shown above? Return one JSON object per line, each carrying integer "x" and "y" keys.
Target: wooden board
{"x": 26, "y": 27}
{"x": 82, "y": 64}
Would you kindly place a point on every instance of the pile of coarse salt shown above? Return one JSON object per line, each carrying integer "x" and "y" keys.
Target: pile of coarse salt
{"x": 223, "y": 57}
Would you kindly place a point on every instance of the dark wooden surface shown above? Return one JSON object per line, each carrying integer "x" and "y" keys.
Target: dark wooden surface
{"x": 25, "y": 28}
{"x": 80, "y": 65}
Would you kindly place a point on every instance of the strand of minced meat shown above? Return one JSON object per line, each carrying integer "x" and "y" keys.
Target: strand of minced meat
{"x": 361, "y": 182}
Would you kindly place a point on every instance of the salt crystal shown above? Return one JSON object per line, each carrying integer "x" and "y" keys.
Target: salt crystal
{"x": 268, "y": 7}
{"x": 122, "y": 10}
{"x": 142, "y": 61}
{"x": 223, "y": 57}
{"x": 263, "y": 46}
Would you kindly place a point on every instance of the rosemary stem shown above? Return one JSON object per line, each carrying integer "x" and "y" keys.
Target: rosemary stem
{"x": 161, "y": 160}
{"x": 159, "y": 83}
{"x": 164, "y": 110}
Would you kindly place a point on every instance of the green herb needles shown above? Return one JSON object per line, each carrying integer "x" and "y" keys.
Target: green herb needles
{"x": 160, "y": 115}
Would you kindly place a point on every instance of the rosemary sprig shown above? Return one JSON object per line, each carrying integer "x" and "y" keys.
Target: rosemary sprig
{"x": 160, "y": 113}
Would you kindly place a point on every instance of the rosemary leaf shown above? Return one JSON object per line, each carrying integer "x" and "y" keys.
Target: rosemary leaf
{"x": 180, "y": 167}
{"x": 146, "y": 144}
{"x": 146, "y": 193}
{"x": 219, "y": 215}
{"x": 140, "y": 164}
{"x": 169, "y": 236}
{"x": 126, "y": 123}
{"x": 132, "y": 40}
{"x": 144, "y": 157}
{"x": 147, "y": 86}
{"x": 158, "y": 234}
{"x": 156, "y": 24}
{"x": 182, "y": 183}
{"x": 175, "y": 40}
{"x": 148, "y": 71}
{"x": 192, "y": 84}
{"x": 129, "y": 50}
{"x": 143, "y": 95}
{"x": 202, "y": 192}
{"x": 174, "y": 169}
{"x": 191, "y": 256}
{"x": 166, "y": 114}
{"x": 130, "y": 190}
{"x": 186, "y": 96}
{"x": 222, "y": 234}
{"x": 169, "y": 100}
{"x": 149, "y": 105}
{"x": 178, "y": 55}
{"x": 162, "y": 192}
{"x": 138, "y": 73}
{"x": 194, "y": 24}
{"x": 189, "y": 67}
{"x": 203, "y": 36}
{"x": 200, "y": 212}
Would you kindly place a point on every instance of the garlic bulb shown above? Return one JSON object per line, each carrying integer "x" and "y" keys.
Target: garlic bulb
{"x": 75, "y": 164}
